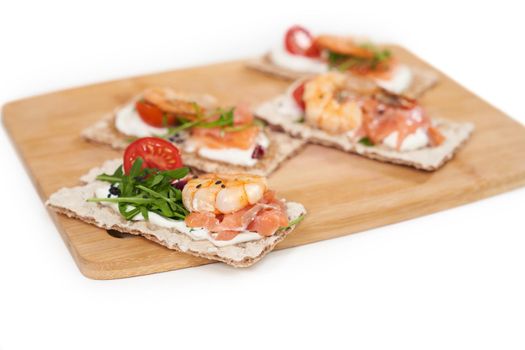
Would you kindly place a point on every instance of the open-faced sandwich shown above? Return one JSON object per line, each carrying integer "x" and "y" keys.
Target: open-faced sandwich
{"x": 301, "y": 54}
{"x": 233, "y": 218}
{"x": 336, "y": 110}
{"x": 211, "y": 139}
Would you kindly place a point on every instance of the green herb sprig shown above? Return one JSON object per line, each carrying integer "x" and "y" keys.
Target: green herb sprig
{"x": 292, "y": 223}
{"x": 146, "y": 190}
{"x": 366, "y": 141}
{"x": 224, "y": 121}
{"x": 344, "y": 62}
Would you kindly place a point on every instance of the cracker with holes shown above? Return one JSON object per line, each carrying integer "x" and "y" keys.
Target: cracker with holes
{"x": 335, "y": 110}
{"x": 232, "y": 218}
{"x": 211, "y": 139}
{"x": 302, "y": 54}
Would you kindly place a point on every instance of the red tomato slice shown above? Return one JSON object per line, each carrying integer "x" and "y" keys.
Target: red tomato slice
{"x": 156, "y": 153}
{"x": 298, "y": 96}
{"x": 294, "y": 46}
{"x": 153, "y": 115}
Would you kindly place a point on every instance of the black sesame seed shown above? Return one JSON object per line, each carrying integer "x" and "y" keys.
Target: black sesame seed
{"x": 218, "y": 182}
{"x": 199, "y": 185}
{"x": 223, "y": 186}
{"x": 114, "y": 191}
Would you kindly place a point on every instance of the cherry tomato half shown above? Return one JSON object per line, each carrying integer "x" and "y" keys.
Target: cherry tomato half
{"x": 295, "y": 47}
{"x": 153, "y": 115}
{"x": 298, "y": 96}
{"x": 155, "y": 152}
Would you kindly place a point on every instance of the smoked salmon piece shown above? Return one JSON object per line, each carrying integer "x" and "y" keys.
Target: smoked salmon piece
{"x": 242, "y": 135}
{"x": 242, "y": 115}
{"x": 268, "y": 221}
{"x": 225, "y": 235}
{"x": 435, "y": 136}
{"x": 205, "y": 220}
{"x": 264, "y": 217}
{"x": 396, "y": 113}
{"x": 217, "y": 138}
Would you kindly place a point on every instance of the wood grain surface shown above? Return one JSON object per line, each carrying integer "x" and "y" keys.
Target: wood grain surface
{"x": 343, "y": 193}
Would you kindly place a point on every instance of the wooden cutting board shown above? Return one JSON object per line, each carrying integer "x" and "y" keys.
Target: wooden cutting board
{"x": 343, "y": 193}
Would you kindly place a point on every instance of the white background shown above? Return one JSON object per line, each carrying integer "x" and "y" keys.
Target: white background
{"x": 453, "y": 280}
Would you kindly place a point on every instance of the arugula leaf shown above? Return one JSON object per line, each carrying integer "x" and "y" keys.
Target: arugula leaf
{"x": 109, "y": 178}
{"x": 344, "y": 62}
{"x": 144, "y": 212}
{"x": 335, "y": 58}
{"x": 292, "y": 223}
{"x": 146, "y": 190}
{"x": 366, "y": 141}
{"x": 136, "y": 167}
{"x": 350, "y": 63}
{"x": 128, "y": 215}
{"x": 176, "y": 173}
{"x": 156, "y": 180}
{"x": 224, "y": 121}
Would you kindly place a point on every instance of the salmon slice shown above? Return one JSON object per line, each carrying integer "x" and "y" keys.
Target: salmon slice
{"x": 383, "y": 70}
{"x": 380, "y": 119}
{"x": 225, "y": 235}
{"x": 268, "y": 222}
{"x": 218, "y": 138}
{"x": 265, "y": 218}
{"x": 343, "y": 45}
{"x": 242, "y": 115}
{"x": 270, "y": 199}
{"x": 239, "y": 220}
{"x": 435, "y": 136}
{"x": 243, "y": 137}
{"x": 202, "y": 220}
{"x": 210, "y": 222}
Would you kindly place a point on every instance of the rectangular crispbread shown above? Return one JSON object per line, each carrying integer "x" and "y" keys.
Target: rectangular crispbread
{"x": 72, "y": 202}
{"x": 423, "y": 79}
{"x": 281, "y": 148}
{"x": 429, "y": 158}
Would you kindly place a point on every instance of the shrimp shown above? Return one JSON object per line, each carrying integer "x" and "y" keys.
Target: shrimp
{"x": 333, "y": 102}
{"x": 179, "y": 103}
{"x": 223, "y": 194}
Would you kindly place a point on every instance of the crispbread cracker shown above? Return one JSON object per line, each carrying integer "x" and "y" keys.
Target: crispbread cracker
{"x": 430, "y": 158}
{"x": 108, "y": 167}
{"x": 72, "y": 202}
{"x": 423, "y": 79}
{"x": 281, "y": 148}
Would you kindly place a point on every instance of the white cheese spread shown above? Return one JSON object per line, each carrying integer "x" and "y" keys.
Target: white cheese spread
{"x": 416, "y": 140}
{"x": 399, "y": 81}
{"x": 197, "y": 234}
{"x": 235, "y": 156}
{"x": 129, "y": 122}
{"x": 282, "y": 58}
